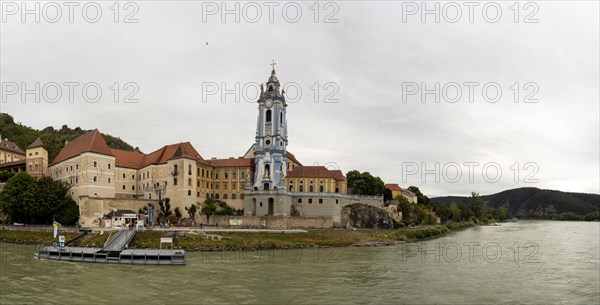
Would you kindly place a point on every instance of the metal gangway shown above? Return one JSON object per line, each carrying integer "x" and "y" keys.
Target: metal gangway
{"x": 117, "y": 242}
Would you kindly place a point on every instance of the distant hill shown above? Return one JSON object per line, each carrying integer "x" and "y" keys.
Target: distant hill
{"x": 531, "y": 202}
{"x": 54, "y": 139}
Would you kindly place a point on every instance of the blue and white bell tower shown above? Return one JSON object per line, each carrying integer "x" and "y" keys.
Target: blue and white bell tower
{"x": 271, "y": 137}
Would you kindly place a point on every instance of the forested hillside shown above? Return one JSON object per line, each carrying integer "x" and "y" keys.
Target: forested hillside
{"x": 54, "y": 139}
{"x": 536, "y": 203}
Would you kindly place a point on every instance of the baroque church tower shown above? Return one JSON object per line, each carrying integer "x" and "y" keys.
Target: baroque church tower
{"x": 271, "y": 137}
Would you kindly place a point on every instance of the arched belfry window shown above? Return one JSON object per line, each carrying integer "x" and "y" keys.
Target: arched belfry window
{"x": 268, "y": 115}
{"x": 270, "y": 88}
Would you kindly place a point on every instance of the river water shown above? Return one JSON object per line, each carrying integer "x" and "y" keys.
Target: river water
{"x": 527, "y": 262}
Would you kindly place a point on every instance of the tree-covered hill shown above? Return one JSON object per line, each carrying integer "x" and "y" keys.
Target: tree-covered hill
{"x": 54, "y": 139}
{"x": 535, "y": 203}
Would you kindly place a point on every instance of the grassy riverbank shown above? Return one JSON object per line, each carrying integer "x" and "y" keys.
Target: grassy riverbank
{"x": 194, "y": 241}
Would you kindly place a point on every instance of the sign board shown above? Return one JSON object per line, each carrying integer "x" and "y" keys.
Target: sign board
{"x": 129, "y": 215}
{"x": 235, "y": 222}
{"x": 166, "y": 240}
{"x": 61, "y": 241}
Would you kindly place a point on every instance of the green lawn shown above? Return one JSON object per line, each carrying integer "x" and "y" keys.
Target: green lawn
{"x": 248, "y": 240}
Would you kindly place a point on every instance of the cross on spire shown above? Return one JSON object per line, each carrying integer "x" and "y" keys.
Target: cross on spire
{"x": 273, "y": 64}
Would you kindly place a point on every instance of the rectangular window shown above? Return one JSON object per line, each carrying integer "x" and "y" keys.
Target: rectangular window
{"x": 189, "y": 170}
{"x": 242, "y": 196}
{"x": 189, "y": 193}
{"x": 189, "y": 181}
{"x": 225, "y": 175}
{"x": 198, "y": 184}
{"x": 108, "y": 180}
{"x": 216, "y": 186}
{"x": 197, "y": 194}
{"x": 234, "y": 186}
{"x": 133, "y": 187}
{"x": 174, "y": 181}
{"x": 95, "y": 178}
{"x": 224, "y": 196}
{"x": 95, "y": 164}
{"x": 76, "y": 166}
{"x": 123, "y": 176}
{"x": 233, "y": 196}
{"x": 123, "y": 186}
{"x": 320, "y": 200}
{"x": 216, "y": 196}
{"x": 217, "y": 175}
{"x": 198, "y": 173}
{"x": 299, "y": 200}
{"x": 309, "y": 200}
{"x": 225, "y": 186}
{"x": 234, "y": 175}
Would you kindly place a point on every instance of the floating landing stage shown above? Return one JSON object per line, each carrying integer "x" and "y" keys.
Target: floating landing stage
{"x": 114, "y": 252}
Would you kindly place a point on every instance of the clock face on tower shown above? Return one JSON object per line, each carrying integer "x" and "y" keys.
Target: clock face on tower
{"x": 269, "y": 102}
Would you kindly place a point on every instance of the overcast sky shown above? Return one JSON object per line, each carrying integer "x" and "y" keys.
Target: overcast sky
{"x": 368, "y": 114}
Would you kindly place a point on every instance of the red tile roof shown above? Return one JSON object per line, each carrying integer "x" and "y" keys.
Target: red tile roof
{"x": 10, "y": 146}
{"x": 174, "y": 151}
{"x": 315, "y": 172}
{"x": 128, "y": 159}
{"x": 37, "y": 143}
{"x": 395, "y": 187}
{"x": 236, "y": 162}
{"x": 91, "y": 141}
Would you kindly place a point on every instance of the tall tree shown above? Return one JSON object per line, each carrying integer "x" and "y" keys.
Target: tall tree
{"x": 209, "y": 208}
{"x": 476, "y": 204}
{"x": 364, "y": 183}
{"x": 18, "y": 199}
{"x": 192, "y": 212}
{"x": 455, "y": 212}
{"x": 165, "y": 208}
{"x": 422, "y": 199}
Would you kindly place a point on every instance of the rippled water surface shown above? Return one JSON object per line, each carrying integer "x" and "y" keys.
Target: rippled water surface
{"x": 528, "y": 262}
